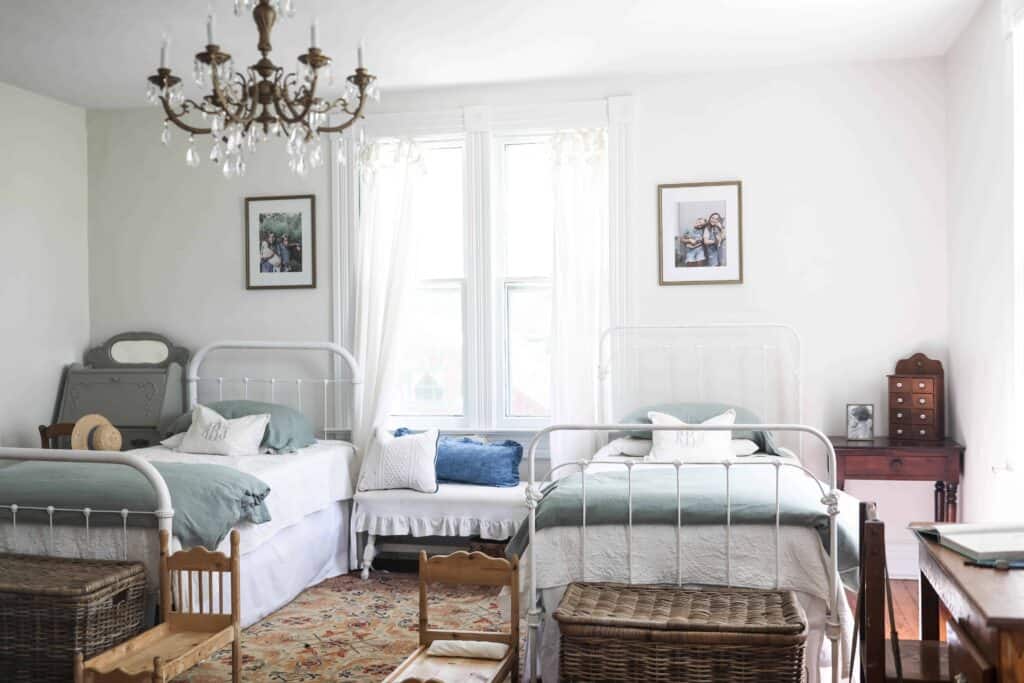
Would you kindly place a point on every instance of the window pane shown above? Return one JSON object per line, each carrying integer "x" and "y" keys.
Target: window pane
{"x": 528, "y": 209}
{"x": 437, "y": 209}
{"x": 430, "y": 353}
{"x": 529, "y": 351}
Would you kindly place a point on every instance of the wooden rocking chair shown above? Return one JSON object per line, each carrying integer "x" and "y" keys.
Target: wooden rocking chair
{"x": 192, "y": 629}
{"x": 462, "y": 568}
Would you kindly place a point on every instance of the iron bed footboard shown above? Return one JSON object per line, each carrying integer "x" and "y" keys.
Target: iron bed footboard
{"x": 829, "y": 499}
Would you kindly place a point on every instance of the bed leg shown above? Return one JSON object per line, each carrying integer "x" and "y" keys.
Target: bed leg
{"x": 369, "y": 552}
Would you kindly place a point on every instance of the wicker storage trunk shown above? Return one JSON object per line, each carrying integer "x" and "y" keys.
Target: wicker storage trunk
{"x": 615, "y": 632}
{"x": 50, "y": 607}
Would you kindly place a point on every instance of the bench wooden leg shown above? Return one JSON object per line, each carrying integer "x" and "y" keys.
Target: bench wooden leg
{"x": 79, "y": 668}
{"x": 369, "y": 552}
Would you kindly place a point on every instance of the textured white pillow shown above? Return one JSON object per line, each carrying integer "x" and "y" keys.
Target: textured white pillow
{"x": 402, "y": 462}
{"x": 633, "y": 447}
{"x": 690, "y": 445}
{"x": 213, "y": 434}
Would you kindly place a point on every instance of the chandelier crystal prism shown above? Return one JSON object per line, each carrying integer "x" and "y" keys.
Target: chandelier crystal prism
{"x": 244, "y": 109}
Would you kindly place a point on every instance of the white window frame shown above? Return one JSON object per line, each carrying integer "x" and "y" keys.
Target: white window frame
{"x": 482, "y": 128}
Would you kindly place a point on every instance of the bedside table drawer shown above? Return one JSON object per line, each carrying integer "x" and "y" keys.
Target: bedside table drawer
{"x": 913, "y": 466}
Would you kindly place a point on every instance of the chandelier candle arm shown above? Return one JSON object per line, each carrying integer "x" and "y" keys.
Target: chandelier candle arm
{"x": 262, "y": 97}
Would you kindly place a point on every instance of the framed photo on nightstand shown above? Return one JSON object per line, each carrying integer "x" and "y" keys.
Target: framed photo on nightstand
{"x": 860, "y": 421}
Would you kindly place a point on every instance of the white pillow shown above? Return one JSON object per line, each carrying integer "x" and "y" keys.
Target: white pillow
{"x": 633, "y": 447}
{"x": 215, "y": 435}
{"x": 402, "y": 462}
{"x": 690, "y": 445}
{"x": 173, "y": 441}
{"x": 744, "y": 447}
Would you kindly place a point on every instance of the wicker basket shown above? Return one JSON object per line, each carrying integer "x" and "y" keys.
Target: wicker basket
{"x": 615, "y": 632}
{"x": 50, "y": 607}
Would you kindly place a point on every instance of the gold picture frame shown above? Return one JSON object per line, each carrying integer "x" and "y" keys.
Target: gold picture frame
{"x": 710, "y": 250}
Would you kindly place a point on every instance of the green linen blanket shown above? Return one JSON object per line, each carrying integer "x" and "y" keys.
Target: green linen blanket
{"x": 208, "y": 499}
{"x": 703, "y": 493}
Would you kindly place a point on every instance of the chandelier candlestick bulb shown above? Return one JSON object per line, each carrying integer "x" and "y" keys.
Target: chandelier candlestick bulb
{"x": 165, "y": 48}
{"x": 251, "y": 105}
{"x": 359, "y": 55}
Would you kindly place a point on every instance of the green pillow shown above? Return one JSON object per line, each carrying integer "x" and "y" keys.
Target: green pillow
{"x": 288, "y": 431}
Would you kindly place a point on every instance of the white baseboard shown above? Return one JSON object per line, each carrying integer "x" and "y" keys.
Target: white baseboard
{"x": 902, "y": 560}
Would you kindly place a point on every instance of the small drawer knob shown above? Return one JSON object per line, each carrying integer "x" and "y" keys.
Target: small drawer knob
{"x": 899, "y": 431}
{"x": 921, "y": 401}
{"x": 899, "y": 400}
{"x": 923, "y": 432}
{"x": 899, "y": 415}
{"x": 899, "y": 385}
{"x": 923, "y": 416}
{"x": 920, "y": 385}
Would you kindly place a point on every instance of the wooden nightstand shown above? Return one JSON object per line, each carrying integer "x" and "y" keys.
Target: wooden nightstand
{"x": 904, "y": 460}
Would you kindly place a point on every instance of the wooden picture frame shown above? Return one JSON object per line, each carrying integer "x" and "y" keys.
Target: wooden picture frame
{"x": 687, "y": 214}
{"x": 277, "y": 232}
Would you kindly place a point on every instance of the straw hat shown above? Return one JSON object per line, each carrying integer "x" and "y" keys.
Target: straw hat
{"x": 95, "y": 433}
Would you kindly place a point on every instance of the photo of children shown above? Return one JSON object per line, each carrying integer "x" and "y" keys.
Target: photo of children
{"x": 280, "y": 242}
{"x": 702, "y": 242}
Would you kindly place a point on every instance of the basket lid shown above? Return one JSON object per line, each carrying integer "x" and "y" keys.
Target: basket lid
{"x": 668, "y": 608}
{"x": 60, "y": 576}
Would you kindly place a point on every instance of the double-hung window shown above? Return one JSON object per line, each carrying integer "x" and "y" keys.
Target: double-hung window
{"x": 475, "y": 349}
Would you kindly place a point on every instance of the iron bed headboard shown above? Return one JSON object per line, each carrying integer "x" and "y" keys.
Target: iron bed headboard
{"x": 193, "y": 378}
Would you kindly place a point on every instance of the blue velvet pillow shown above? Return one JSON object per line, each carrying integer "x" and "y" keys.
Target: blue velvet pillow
{"x": 467, "y": 461}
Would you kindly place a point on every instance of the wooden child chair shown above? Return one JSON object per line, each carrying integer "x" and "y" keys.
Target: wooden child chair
{"x": 192, "y": 629}
{"x": 465, "y": 663}
{"x": 892, "y": 659}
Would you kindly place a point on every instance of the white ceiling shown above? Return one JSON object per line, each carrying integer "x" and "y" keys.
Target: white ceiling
{"x": 97, "y": 53}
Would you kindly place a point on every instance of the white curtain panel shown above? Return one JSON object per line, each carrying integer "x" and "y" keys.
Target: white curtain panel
{"x": 382, "y": 272}
{"x": 1013, "y": 14}
{"x": 580, "y": 288}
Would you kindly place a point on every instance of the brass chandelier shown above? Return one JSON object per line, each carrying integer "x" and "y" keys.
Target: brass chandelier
{"x": 242, "y": 110}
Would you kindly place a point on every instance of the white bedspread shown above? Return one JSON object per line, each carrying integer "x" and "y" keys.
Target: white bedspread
{"x": 803, "y": 565}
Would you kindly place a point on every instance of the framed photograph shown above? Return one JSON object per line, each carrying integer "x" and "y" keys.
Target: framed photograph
{"x": 280, "y": 242}
{"x": 700, "y": 233}
{"x": 860, "y": 421}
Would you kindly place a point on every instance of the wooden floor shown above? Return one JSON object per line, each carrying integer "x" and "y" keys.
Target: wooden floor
{"x": 904, "y": 595}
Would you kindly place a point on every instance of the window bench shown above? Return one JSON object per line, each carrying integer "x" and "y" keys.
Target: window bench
{"x": 492, "y": 513}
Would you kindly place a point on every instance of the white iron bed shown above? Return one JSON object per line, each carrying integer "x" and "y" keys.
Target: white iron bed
{"x": 756, "y": 365}
{"x": 308, "y": 538}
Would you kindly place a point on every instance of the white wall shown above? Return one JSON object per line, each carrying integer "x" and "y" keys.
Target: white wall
{"x": 168, "y": 240}
{"x": 44, "y": 277}
{"x": 844, "y": 181}
{"x": 980, "y": 164}
{"x": 844, "y": 186}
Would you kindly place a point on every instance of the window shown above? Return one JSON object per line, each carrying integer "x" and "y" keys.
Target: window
{"x": 476, "y": 347}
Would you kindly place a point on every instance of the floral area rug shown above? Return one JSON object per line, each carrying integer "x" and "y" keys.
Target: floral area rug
{"x": 347, "y": 629}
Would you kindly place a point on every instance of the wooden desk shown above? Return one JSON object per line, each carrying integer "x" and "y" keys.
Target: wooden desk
{"x": 904, "y": 460}
{"x": 986, "y": 608}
